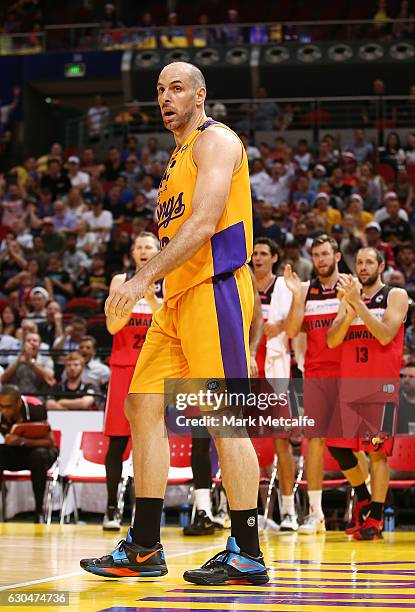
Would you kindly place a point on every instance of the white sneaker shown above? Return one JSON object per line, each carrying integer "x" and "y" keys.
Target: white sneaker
{"x": 289, "y": 522}
{"x": 113, "y": 524}
{"x": 312, "y": 524}
{"x": 222, "y": 520}
{"x": 267, "y": 524}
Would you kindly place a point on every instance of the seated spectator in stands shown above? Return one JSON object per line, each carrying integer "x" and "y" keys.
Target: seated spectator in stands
{"x": 85, "y": 241}
{"x": 9, "y": 346}
{"x": 95, "y": 282}
{"x": 75, "y": 260}
{"x": 51, "y": 329}
{"x": 391, "y": 201}
{"x": 113, "y": 203}
{"x": 77, "y": 177}
{"x": 39, "y": 253}
{"x": 56, "y": 152}
{"x": 95, "y": 372}
{"x": 89, "y": 162}
{"x": 76, "y": 206}
{"x": 323, "y": 209}
{"x": 53, "y": 241}
{"x": 56, "y": 179}
{"x": 132, "y": 149}
{"x": 72, "y": 393}
{"x": 301, "y": 266}
{"x": 42, "y": 209}
{"x": 173, "y": 36}
{"x": 110, "y": 19}
{"x": 37, "y": 304}
{"x": 404, "y": 190}
{"x": 373, "y": 233}
{"x": 277, "y": 188}
{"x": 97, "y": 119}
{"x": 149, "y": 190}
{"x": 410, "y": 149}
{"x": 265, "y": 112}
{"x": 117, "y": 258}
{"x": 361, "y": 148}
{"x": 152, "y": 153}
{"x": 21, "y": 285}
{"x": 28, "y": 326}
{"x": 392, "y": 153}
{"x": 19, "y": 453}
{"x": 10, "y": 320}
{"x": 71, "y": 337}
{"x": 303, "y": 191}
{"x": 12, "y": 203}
{"x": 265, "y": 225}
{"x": 113, "y": 165}
{"x": 23, "y": 235}
{"x": 252, "y": 152}
{"x": 63, "y": 220}
{"x": 319, "y": 174}
{"x": 349, "y": 241}
{"x": 300, "y": 232}
{"x": 31, "y": 371}
{"x": 58, "y": 281}
{"x": 138, "y": 225}
{"x": 203, "y": 35}
{"x": 338, "y": 186}
{"x": 126, "y": 195}
{"x": 232, "y": 34}
{"x": 325, "y": 157}
{"x": 132, "y": 173}
{"x": 355, "y": 208}
{"x": 258, "y": 34}
{"x": 100, "y": 222}
{"x": 370, "y": 203}
{"x": 302, "y": 155}
{"x": 139, "y": 208}
{"x": 406, "y": 261}
{"x": 12, "y": 260}
{"x": 258, "y": 175}
{"x": 394, "y": 228}
{"x": 406, "y": 410}
{"x": 134, "y": 116}
{"x": 348, "y": 164}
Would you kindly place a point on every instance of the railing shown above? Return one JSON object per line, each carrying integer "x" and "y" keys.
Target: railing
{"x": 91, "y": 36}
{"x": 382, "y": 113}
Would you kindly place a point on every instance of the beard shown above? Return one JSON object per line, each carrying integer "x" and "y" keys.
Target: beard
{"x": 371, "y": 280}
{"x": 329, "y": 271}
{"x": 179, "y": 122}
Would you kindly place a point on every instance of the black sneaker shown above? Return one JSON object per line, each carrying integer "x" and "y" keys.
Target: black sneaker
{"x": 128, "y": 559}
{"x": 230, "y": 566}
{"x": 202, "y": 525}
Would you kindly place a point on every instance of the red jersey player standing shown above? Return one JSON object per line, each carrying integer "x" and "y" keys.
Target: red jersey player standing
{"x": 129, "y": 335}
{"x": 369, "y": 329}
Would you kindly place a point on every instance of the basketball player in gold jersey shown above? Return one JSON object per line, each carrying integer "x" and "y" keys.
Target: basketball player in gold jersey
{"x": 201, "y": 331}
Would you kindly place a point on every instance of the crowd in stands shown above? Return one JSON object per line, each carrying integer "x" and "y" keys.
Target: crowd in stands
{"x": 67, "y": 223}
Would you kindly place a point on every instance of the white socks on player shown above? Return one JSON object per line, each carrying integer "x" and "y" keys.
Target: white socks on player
{"x": 314, "y": 501}
{"x": 203, "y": 501}
{"x": 287, "y": 505}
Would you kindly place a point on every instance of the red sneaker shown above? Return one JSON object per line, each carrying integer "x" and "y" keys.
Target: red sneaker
{"x": 360, "y": 512}
{"x": 370, "y": 530}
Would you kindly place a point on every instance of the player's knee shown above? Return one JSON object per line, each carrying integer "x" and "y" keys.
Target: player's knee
{"x": 130, "y": 409}
{"x": 344, "y": 456}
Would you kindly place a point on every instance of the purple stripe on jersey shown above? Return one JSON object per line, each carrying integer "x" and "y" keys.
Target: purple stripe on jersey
{"x": 231, "y": 330}
{"x": 229, "y": 249}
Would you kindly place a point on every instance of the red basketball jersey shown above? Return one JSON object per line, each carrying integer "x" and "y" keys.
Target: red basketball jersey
{"x": 129, "y": 340}
{"x": 320, "y": 309}
{"x": 362, "y": 355}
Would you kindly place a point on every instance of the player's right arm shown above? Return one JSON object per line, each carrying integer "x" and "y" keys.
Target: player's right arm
{"x": 294, "y": 320}
{"x": 340, "y": 325}
{"x": 115, "y": 324}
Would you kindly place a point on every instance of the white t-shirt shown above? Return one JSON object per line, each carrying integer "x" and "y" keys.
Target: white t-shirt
{"x": 382, "y": 215}
{"x": 81, "y": 178}
{"x": 103, "y": 221}
{"x": 278, "y": 310}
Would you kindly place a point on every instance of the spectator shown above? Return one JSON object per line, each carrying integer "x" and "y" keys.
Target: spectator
{"x": 110, "y": 19}
{"x": 134, "y": 116}
{"x": 117, "y": 259}
{"x": 323, "y": 209}
{"x": 301, "y": 266}
{"x": 23, "y": 236}
{"x": 203, "y": 35}
{"x": 266, "y": 227}
{"x": 132, "y": 173}
{"x": 403, "y": 31}
{"x": 63, "y": 220}
{"x": 86, "y": 240}
{"x": 392, "y": 153}
{"x": 72, "y": 393}
{"x": 173, "y": 36}
{"x": 406, "y": 411}
{"x": 373, "y": 234}
{"x": 140, "y": 208}
{"x": 355, "y": 208}
{"x": 20, "y": 453}
{"x": 12, "y": 260}
{"x": 277, "y": 188}
{"x": 252, "y": 152}
{"x": 9, "y": 346}
{"x": 391, "y": 203}
{"x": 338, "y": 186}
{"x": 6, "y": 110}
{"x": 24, "y": 281}
{"x": 38, "y": 299}
{"x": 10, "y": 319}
{"x": 303, "y": 191}
{"x": 152, "y": 153}
{"x": 404, "y": 191}
{"x": 394, "y": 227}
{"x": 319, "y": 174}
{"x": 56, "y": 179}
{"x": 53, "y": 241}
{"x": 370, "y": 203}
{"x": 58, "y": 281}
{"x": 44, "y": 207}
{"x": 302, "y": 156}
{"x": 89, "y": 163}
{"x": 31, "y": 371}
{"x": 51, "y": 328}
{"x": 232, "y": 34}
{"x": 75, "y": 261}
{"x": 325, "y": 157}
{"x": 265, "y": 112}
{"x": 95, "y": 372}
{"x": 97, "y": 119}
{"x": 12, "y": 204}
{"x": 151, "y": 193}
{"x": 406, "y": 259}
{"x": 361, "y": 148}
{"x": 95, "y": 282}
{"x": 409, "y": 340}
{"x": 410, "y": 149}
{"x": 71, "y": 337}
{"x": 100, "y": 222}
{"x": 75, "y": 204}
{"x": 39, "y": 253}
{"x": 349, "y": 243}
{"x": 381, "y": 18}
{"x": 77, "y": 177}
{"x": 258, "y": 176}
{"x": 114, "y": 166}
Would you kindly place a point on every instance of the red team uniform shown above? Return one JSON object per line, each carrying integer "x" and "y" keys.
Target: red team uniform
{"x": 126, "y": 347}
{"x": 370, "y": 372}
{"x": 321, "y": 364}
{"x": 261, "y": 353}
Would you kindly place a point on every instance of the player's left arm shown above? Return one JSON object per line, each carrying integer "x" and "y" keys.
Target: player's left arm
{"x": 257, "y": 328}
{"x": 385, "y": 330}
{"x": 217, "y": 153}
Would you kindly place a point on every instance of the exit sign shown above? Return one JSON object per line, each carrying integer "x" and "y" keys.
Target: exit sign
{"x": 75, "y": 70}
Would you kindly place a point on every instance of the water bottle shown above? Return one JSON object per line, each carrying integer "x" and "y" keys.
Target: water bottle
{"x": 184, "y": 517}
{"x": 389, "y": 519}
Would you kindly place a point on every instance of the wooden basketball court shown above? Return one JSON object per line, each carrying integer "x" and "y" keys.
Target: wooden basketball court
{"x": 307, "y": 572}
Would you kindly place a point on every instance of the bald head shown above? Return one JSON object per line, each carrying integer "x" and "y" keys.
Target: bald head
{"x": 185, "y": 69}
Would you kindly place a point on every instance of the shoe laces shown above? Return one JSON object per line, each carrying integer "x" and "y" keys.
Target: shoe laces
{"x": 215, "y": 561}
